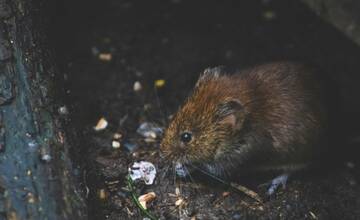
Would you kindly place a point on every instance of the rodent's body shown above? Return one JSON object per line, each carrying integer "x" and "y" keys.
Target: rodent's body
{"x": 272, "y": 116}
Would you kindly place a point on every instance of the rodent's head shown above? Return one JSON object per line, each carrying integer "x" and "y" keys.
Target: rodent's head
{"x": 203, "y": 129}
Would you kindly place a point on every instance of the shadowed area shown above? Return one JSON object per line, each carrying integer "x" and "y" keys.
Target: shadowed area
{"x": 175, "y": 40}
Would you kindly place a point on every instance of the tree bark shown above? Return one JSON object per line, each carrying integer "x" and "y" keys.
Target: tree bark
{"x": 36, "y": 180}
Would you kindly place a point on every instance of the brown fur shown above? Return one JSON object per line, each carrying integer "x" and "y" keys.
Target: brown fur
{"x": 281, "y": 119}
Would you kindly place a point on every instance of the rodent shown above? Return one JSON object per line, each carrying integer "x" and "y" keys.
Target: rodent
{"x": 271, "y": 116}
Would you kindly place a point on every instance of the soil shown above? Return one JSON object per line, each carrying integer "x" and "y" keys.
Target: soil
{"x": 174, "y": 40}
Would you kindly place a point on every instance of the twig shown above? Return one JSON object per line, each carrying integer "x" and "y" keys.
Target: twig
{"x": 246, "y": 191}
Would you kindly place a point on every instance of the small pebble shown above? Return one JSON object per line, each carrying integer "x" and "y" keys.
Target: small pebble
{"x": 30, "y": 198}
{"x": 236, "y": 216}
{"x": 159, "y": 83}
{"x": 135, "y": 154}
{"x": 137, "y": 86}
{"x": 33, "y": 144}
{"x": 63, "y": 110}
{"x": 105, "y": 57}
{"x": 117, "y": 136}
{"x": 116, "y": 144}
{"x": 147, "y": 107}
{"x": 46, "y": 157}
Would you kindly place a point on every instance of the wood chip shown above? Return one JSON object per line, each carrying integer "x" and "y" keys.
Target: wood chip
{"x": 179, "y": 202}
{"x": 159, "y": 83}
{"x": 225, "y": 194}
{"x": 101, "y": 125}
{"x": 146, "y": 198}
{"x": 102, "y": 194}
{"x": 247, "y": 192}
{"x": 177, "y": 191}
{"x": 105, "y": 57}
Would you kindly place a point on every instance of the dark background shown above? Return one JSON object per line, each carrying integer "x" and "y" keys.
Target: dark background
{"x": 175, "y": 40}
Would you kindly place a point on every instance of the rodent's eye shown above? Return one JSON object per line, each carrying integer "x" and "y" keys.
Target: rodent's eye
{"x": 186, "y": 137}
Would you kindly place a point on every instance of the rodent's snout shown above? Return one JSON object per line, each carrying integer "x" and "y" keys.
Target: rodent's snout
{"x": 170, "y": 149}
{"x": 165, "y": 149}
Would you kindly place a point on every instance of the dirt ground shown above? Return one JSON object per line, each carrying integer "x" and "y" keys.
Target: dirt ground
{"x": 104, "y": 47}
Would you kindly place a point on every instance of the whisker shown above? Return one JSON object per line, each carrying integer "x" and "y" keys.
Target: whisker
{"x": 197, "y": 191}
{"x": 209, "y": 174}
{"x": 165, "y": 171}
{"x": 237, "y": 187}
{"x": 162, "y": 177}
{"x": 188, "y": 173}
{"x": 173, "y": 173}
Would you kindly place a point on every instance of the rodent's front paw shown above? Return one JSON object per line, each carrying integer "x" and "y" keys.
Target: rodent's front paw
{"x": 276, "y": 182}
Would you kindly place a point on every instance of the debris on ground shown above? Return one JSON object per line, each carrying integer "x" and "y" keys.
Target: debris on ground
{"x": 179, "y": 202}
{"x": 147, "y": 56}
{"x": 143, "y": 170}
{"x": 159, "y": 83}
{"x": 137, "y": 86}
{"x": 105, "y": 57}
{"x": 131, "y": 147}
{"x": 149, "y": 130}
{"x": 180, "y": 170}
{"x": 146, "y": 198}
{"x": 102, "y": 194}
{"x": 116, "y": 144}
{"x": 101, "y": 125}
{"x": 117, "y": 136}
{"x": 252, "y": 194}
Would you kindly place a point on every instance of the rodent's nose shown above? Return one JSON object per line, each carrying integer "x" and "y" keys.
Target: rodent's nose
{"x": 181, "y": 146}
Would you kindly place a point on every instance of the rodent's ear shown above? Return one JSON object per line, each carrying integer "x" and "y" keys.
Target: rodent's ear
{"x": 210, "y": 74}
{"x": 232, "y": 113}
